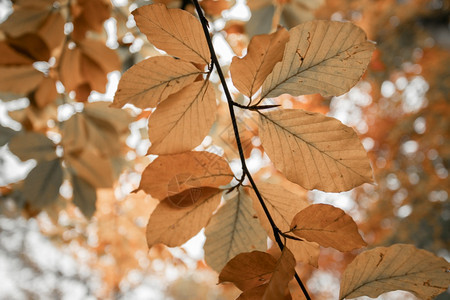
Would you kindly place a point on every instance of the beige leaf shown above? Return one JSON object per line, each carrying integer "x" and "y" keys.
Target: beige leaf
{"x": 328, "y": 226}
{"x": 119, "y": 119}
{"x": 70, "y": 68}
{"x": 19, "y": 80}
{"x": 173, "y": 225}
{"x": 41, "y": 187}
{"x": 232, "y": 230}
{"x": 282, "y": 206}
{"x": 153, "y": 80}
{"x": 398, "y": 267}
{"x": 248, "y": 269}
{"x": 93, "y": 168}
{"x": 314, "y": 151}
{"x": 325, "y": 57}
{"x": 24, "y": 20}
{"x": 74, "y": 134}
{"x": 264, "y": 51}
{"x": 175, "y": 31}
{"x": 106, "y": 58}
{"x": 46, "y": 92}
{"x": 182, "y": 121}
{"x": 84, "y": 196}
{"x": 171, "y": 174}
{"x": 31, "y": 145}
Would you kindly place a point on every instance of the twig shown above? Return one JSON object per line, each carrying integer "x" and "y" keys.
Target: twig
{"x": 215, "y": 61}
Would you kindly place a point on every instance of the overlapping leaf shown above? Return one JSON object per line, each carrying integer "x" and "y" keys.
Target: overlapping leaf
{"x": 398, "y": 267}
{"x": 328, "y": 226}
{"x": 182, "y": 121}
{"x": 175, "y": 31}
{"x": 232, "y": 230}
{"x": 325, "y": 57}
{"x": 260, "y": 275}
{"x": 169, "y": 175}
{"x": 84, "y": 196}
{"x": 31, "y": 145}
{"x": 41, "y": 187}
{"x": 283, "y": 205}
{"x": 173, "y": 225}
{"x": 153, "y": 80}
{"x": 264, "y": 51}
{"x": 19, "y": 80}
{"x": 314, "y": 151}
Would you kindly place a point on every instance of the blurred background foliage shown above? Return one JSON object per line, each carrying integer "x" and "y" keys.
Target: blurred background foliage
{"x": 69, "y": 227}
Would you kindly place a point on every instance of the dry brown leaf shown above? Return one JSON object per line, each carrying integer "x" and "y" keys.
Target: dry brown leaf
{"x": 325, "y": 57}
{"x": 282, "y": 206}
{"x": 283, "y": 273}
{"x": 119, "y": 119}
{"x": 182, "y": 121}
{"x": 46, "y": 92}
{"x": 19, "y": 80}
{"x": 314, "y": 151}
{"x": 74, "y": 134}
{"x": 93, "y": 74}
{"x": 9, "y": 56}
{"x": 398, "y": 267}
{"x": 169, "y": 175}
{"x": 255, "y": 293}
{"x": 232, "y": 230}
{"x": 264, "y": 51}
{"x": 24, "y": 20}
{"x": 52, "y": 31}
{"x": 31, "y": 45}
{"x": 175, "y": 31}
{"x": 215, "y": 7}
{"x": 93, "y": 168}
{"x": 328, "y": 226}
{"x": 153, "y": 80}
{"x": 89, "y": 15}
{"x": 106, "y": 58}
{"x": 70, "y": 69}
{"x": 32, "y": 145}
{"x": 248, "y": 270}
{"x": 173, "y": 225}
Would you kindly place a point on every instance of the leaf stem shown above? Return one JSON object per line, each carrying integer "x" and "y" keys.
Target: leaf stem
{"x": 231, "y": 104}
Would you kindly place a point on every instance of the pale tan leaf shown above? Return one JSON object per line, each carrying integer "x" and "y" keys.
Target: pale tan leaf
{"x": 106, "y": 58}
{"x": 314, "y": 151}
{"x": 248, "y": 270}
{"x": 32, "y": 145}
{"x": 283, "y": 273}
{"x": 6, "y": 134}
{"x": 119, "y": 119}
{"x": 24, "y": 20}
{"x": 182, "y": 121}
{"x": 232, "y": 230}
{"x": 325, "y": 57}
{"x": 74, "y": 134}
{"x": 93, "y": 168}
{"x": 46, "y": 92}
{"x": 264, "y": 51}
{"x": 282, "y": 206}
{"x": 398, "y": 267}
{"x": 153, "y": 80}
{"x": 175, "y": 31}
{"x": 41, "y": 187}
{"x": 84, "y": 196}
{"x": 93, "y": 75}
{"x": 173, "y": 225}
{"x": 19, "y": 80}
{"x": 171, "y": 174}
{"x": 328, "y": 226}
{"x": 70, "y": 68}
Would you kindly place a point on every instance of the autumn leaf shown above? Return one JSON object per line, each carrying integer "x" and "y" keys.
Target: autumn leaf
{"x": 314, "y": 151}
{"x": 74, "y": 134}
{"x": 398, "y": 267}
{"x": 249, "y": 269}
{"x": 259, "y": 275}
{"x": 92, "y": 167}
{"x": 101, "y": 112}
{"x": 46, "y": 92}
{"x": 182, "y": 121}
{"x": 149, "y": 82}
{"x": 24, "y": 20}
{"x": 52, "y": 30}
{"x": 175, "y": 31}
{"x": 19, "y": 80}
{"x": 171, "y": 174}
{"x": 9, "y": 56}
{"x": 282, "y": 206}
{"x": 325, "y": 57}
{"x": 328, "y": 226}
{"x": 6, "y": 134}
{"x": 84, "y": 196}
{"x": 264, "y": 51}
{"x": 70, "y": 68}
{"x": 232, "y": 230}
{"x": 173, "y": 225}
{"x": 106, "y": 58}
{"x": 41, "y": 187}
{"x": 32, "y": 145}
